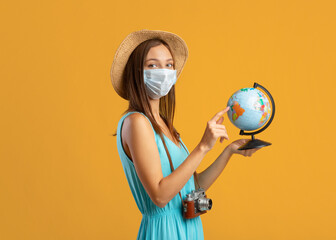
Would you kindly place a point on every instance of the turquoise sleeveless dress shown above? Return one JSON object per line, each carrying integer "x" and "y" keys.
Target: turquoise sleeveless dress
{"x": 167, "y": 222}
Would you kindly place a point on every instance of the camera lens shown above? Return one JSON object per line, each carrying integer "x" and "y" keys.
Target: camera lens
{"x": 204, "y": 204}
{"x": 210, "y": 204}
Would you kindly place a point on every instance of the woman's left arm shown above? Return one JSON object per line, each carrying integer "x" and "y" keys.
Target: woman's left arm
{"x": 209, "y": 175}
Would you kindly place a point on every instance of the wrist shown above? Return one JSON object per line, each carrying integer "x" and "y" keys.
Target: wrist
{"x": 202, "y": 149}
{"x": 228, "y": 150}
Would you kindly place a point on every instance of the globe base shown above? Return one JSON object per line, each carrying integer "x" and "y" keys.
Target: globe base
{"x": 254, "y": 143}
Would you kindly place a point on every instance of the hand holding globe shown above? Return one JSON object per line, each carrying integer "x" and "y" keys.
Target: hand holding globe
{"x": 235, "y": 145}
{"x": 248, "y": 109}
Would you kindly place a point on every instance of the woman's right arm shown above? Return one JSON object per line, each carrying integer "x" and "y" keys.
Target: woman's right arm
{"x": 140, "y": 140}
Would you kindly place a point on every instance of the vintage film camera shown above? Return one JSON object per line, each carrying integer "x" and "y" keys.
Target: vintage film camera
{"x": 196, "y": 203}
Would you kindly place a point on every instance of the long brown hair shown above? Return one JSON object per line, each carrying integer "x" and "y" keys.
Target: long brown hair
{"x": 134, "y": 87}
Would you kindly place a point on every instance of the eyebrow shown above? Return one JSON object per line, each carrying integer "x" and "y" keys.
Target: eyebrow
{"x": 155, "y": 59}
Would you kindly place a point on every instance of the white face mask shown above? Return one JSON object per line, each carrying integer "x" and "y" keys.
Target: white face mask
{"x": 159, "y": 81}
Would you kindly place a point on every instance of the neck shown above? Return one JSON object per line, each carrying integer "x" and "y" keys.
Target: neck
{"x": 155, "y": 105}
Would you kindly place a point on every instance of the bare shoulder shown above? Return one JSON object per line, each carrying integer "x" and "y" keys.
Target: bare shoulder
{"x": 137, "y": 120}
{"x": 136, "y": 126}
{"x": 138, "y": 139}
{"x": 136, "y": 117}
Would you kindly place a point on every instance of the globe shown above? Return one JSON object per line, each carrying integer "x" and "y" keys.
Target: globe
{"x": 249, "y": 109}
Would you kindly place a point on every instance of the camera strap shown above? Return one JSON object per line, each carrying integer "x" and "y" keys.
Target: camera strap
{"x": 172, "y": 167}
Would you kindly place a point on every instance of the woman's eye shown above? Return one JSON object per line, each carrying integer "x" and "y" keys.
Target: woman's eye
{"x": 151, "y": 65}
{"x": 170, "y": 65}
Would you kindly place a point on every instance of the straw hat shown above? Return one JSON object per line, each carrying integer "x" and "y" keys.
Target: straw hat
{"x": 178, "y": 47}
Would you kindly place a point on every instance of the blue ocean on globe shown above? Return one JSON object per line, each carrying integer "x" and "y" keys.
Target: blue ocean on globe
{"x": 249, "y": 109}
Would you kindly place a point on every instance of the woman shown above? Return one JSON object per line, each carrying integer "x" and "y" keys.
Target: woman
{"x": 158, "y": 166}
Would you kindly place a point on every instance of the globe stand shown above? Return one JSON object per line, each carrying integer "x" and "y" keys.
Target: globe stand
{"x": 254, "y": 143}
{"x": 257, "y": 143}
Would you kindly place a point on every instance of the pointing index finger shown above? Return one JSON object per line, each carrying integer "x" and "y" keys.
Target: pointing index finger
{"x": 219, "y": 114}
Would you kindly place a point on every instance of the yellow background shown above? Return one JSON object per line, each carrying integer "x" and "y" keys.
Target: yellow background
{"x": 60, "y": 173}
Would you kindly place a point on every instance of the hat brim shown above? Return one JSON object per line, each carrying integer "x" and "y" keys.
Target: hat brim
{"x": 177, "y": 45}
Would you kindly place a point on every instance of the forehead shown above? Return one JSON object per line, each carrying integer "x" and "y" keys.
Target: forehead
{"x": 159, "y": 52}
